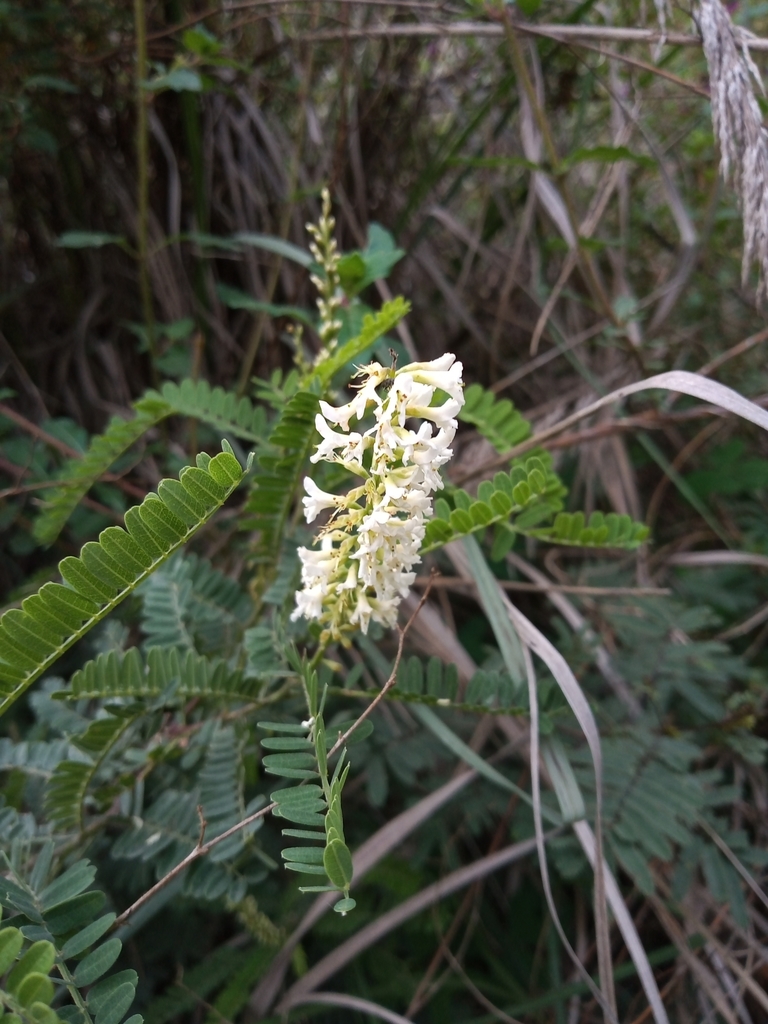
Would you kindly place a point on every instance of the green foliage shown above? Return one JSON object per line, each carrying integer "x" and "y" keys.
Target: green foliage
{"x": 149, "y": 750}
{"x": 70, "y": 779}
{"x": 170, "y": 827}
{"x": 51, "y": 621}
{"x": 223, "y": 972}
{"x": 64, "y": 911}
{"x": 496, "y": 419}
{"x": 163, "y": 673}
{"x": 278, "y": 472}
{"x": 374, "y": 326}
{"x": 357, "y": 270}
{"x": 516, "y": 502}
{"x": 438, "y": 680}
{"x": 652, "y": 798}
{"x": 189, "y": 604}
{"x": 609, "y": 531}
{"x": 221, "y": 409}
{"x": 301, "y": 752}
{"x": 27, "y": 992}
{"x": 530, "y": 492}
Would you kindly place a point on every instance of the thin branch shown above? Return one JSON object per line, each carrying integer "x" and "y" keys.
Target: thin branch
{"x": 392, "y": 676}
{"x": 200, "y": 850}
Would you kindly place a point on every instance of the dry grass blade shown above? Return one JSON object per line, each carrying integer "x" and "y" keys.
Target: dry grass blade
{"x": 709, "y": 558}
{"x": 626, "y": 925}
{"x": 351, "y": 1003}
{"x": 469, "y": 560}
{"x": 605, "y": 995}
{"x": 675, "y": 380}
{"x": 579, "y": 624}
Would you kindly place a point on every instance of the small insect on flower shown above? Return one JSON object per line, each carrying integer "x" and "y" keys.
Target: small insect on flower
{"x": 363, "y": 568}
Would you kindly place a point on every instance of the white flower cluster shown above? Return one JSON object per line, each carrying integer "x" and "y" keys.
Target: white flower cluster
{"x": 363, "y": 567}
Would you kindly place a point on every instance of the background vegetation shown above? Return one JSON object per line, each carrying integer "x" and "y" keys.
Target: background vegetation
{"x": 157, "y": 167}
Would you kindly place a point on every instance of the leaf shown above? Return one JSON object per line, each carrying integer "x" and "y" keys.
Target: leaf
{"x": 69, "y": 782}
{"x": 603, "y": 155}
{"x": 224, "y": 410}
{"x": 179, "y": 79}
{"x": 344, "y": 906}
{"x": 11, "y": 941}
{"x": 563, "y": 780}
{"x": 75, "y": 913}
{"x": 97, "y": 963}
{"x": 130, "y": 674}
{"x": 374, "y": 326}
{"x": 38, "y": 959}
{"x": 91, "y": 933}
{"x": 58, "y": 616}
{"x": 35, "y": 988}
{"x": 236, "y": 299}
{"x": 496, "y": 419}
{"x": 113, "y": 1010}
{"x": 88, "y": 240}
{"x": 102, "y": 993}
{"x": 337, "y": 861}
{"x": 71, "y": 883}
{"x": 276, "y": 245}
{"x": 504, "y": 631}
{"x": 277, "y": 475}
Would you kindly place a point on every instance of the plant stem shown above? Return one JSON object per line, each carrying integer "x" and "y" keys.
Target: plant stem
{"x": 142, "y": 183}
{"x": 285, "y": 219}
{"x": 521, "y": 72}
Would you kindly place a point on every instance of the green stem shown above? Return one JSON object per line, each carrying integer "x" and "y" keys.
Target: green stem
{"x": 74, "y": 991}
{"x": 142, "y": 187}
{"x": 285, "y": 222}
{"x": 521, "y": 72}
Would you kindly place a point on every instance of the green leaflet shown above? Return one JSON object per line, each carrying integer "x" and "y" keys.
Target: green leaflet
{"x": 161, "y": 672}
{"x": 496, "y": 419}
{"x": 442, "y": 681}
{"x": 517, "y": 503}
{"x": 69, "y": 782}
{"x": 197, "y": 399}
{"x": 652, "y": 799}
{"x": 190, "y": 605}
{"x": 302, "y": 753}
{"x": 530, "y": 492}
{"x": 605, "y": 531}
{"x": 277, "y": 473}
{"x": 28, "y": 990}
{"x": 51, "y": 621}
{"x": 61, "y": 907}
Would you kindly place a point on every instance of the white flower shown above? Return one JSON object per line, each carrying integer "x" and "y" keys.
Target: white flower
{"x": 364, "y": 566}
{"x": 351, "y": 445}
{"x": 316, "y": 501}
{"x": 444, "y": 373}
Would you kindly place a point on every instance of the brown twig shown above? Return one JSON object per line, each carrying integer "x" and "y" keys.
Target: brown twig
{"x": 200, "y": 850}
{"x": 64, "y": 448}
